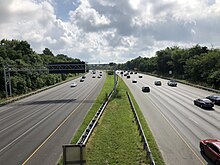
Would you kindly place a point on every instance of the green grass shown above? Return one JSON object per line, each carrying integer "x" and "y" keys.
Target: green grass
{"x": 149, "y": 136}
{"x": 107, "y": 88}
{"x": 116, "y": 139}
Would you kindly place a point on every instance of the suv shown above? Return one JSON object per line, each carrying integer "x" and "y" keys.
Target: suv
{"x": 172, "y": 83}
{"x": 157, "y": 82}
{"x": 145, "y": 89}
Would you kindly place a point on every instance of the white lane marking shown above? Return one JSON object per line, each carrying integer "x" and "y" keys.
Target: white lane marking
{"x": 61, "y": 124}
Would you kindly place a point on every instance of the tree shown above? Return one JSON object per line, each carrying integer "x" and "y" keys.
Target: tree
{"x": 47, "y": 51}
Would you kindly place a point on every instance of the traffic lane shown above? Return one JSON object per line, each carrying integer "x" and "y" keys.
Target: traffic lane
{"x": 185, "y": 95}
{"x": 175, "y": 149}
{"x": 183, "y": 106}
{"x": 51, "y": 97}
{"x": 19, "y": 125}
{"x": 27, "y": 133}
{"x": 26, "y": 105}
{"x": 67, "y": 131}
{"x": 184, "y": 103}
{"x": 192, "y": 91}
{"x": 185, "y": 98}
{"x": 19, "y": 129}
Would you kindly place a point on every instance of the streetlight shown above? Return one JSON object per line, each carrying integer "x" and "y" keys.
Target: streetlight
{"x": 115, "y": 81}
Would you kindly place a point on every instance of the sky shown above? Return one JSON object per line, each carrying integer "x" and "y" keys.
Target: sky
{"x": 103, "y": 31}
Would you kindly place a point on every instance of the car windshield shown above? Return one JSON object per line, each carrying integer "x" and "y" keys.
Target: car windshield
{"x": 206, "y": 100}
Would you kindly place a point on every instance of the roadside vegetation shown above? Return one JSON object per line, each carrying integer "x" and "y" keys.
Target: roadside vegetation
{"x": 116, "y": 139}
{"x": 197, "y": 65}
{"x": 20, "y": 55}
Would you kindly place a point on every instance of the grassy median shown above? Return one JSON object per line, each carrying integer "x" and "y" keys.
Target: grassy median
{"x": 116, "y": 139}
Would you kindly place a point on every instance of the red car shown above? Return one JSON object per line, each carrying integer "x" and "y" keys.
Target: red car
{"x": 211, "y": 148}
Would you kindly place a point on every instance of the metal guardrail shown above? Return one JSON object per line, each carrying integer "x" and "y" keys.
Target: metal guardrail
{"x": 143, "y": 137}
{"x": 89, "y": 129}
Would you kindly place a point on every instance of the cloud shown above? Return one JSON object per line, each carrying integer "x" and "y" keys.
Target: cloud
{"x": 110, "y": 30}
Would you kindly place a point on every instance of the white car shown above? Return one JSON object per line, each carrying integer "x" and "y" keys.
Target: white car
{"x": 73, "y": 84}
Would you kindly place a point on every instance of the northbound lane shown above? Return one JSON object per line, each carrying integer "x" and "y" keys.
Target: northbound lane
{"x": 176, "y": 123}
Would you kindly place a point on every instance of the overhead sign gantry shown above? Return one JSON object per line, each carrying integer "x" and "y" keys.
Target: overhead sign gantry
{"x": 53, "y": 68}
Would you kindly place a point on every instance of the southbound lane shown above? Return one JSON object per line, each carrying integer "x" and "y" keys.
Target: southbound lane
{"x": 32, "y": 130}
{"x": 176, "y": 123}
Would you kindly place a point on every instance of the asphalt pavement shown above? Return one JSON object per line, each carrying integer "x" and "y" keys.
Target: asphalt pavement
{"x": 176, "y": 123}
{"x": 33, "y": 129}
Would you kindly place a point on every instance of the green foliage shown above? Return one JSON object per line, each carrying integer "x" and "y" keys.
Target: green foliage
{"x": 110, "y": 72}
{"x": 197, "y": 64}
{"x": 20, "y": 54}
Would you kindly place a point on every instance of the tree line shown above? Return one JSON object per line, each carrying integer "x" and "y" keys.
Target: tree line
{"x": 197, "y": 64}
{"x": 19, "y": 54}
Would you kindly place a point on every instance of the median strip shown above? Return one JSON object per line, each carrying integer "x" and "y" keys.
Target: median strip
{"x": 115, "y": 139}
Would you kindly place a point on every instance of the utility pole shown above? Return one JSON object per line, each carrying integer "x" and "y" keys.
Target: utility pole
{"x": 115, "y": 81}
{"x": 6, "y": 90}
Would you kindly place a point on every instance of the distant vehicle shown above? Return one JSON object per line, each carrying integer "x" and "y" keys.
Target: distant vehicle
{"x": 134, "y": 81}
{"x": 131, "y": 72}
{"x": 135, "y": 72}
{"x": 172, "y": 83}
{"x": 157, "y": 82}
{"x": 145, "y": 89}
{"x": 73, "y": 84}
{"x": 81, "y": 80}
{"x": 140, "y": 76}
{"x": 214, "y": 98}
{"x": 83, "y": 77}
{"x": 128, "y": 76}
{"x": 93, "y": 76}
{"x": 99, "y": 76}
{"x": 211, "y": 148}
{"x": 204, "y": 103}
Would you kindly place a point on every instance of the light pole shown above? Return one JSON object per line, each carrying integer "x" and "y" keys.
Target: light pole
{"x": 115, "y": 81}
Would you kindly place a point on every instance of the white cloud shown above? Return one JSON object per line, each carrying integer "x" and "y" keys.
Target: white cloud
{"x": 111, "y": 30}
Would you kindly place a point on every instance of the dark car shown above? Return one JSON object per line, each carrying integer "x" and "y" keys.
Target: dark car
{"x": 134, "y": 81}
{"x": 157, "y": 82}
{"x": 145, "y": 89}
{"x": 140, "y": 76}
{"x": 128, "y": 76}
{"x": 204, "y": 103}
{"x": 83, "y": 77}
{"x": 81, "y": 80}
{"x": 214, "y": 98}
{"x": 211, "y": 148}
{"x": 172, "y": 83}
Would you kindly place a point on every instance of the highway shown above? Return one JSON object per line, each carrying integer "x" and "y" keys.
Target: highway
{"x": 176, "y": 123}
{"x": 33, "y": 130}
